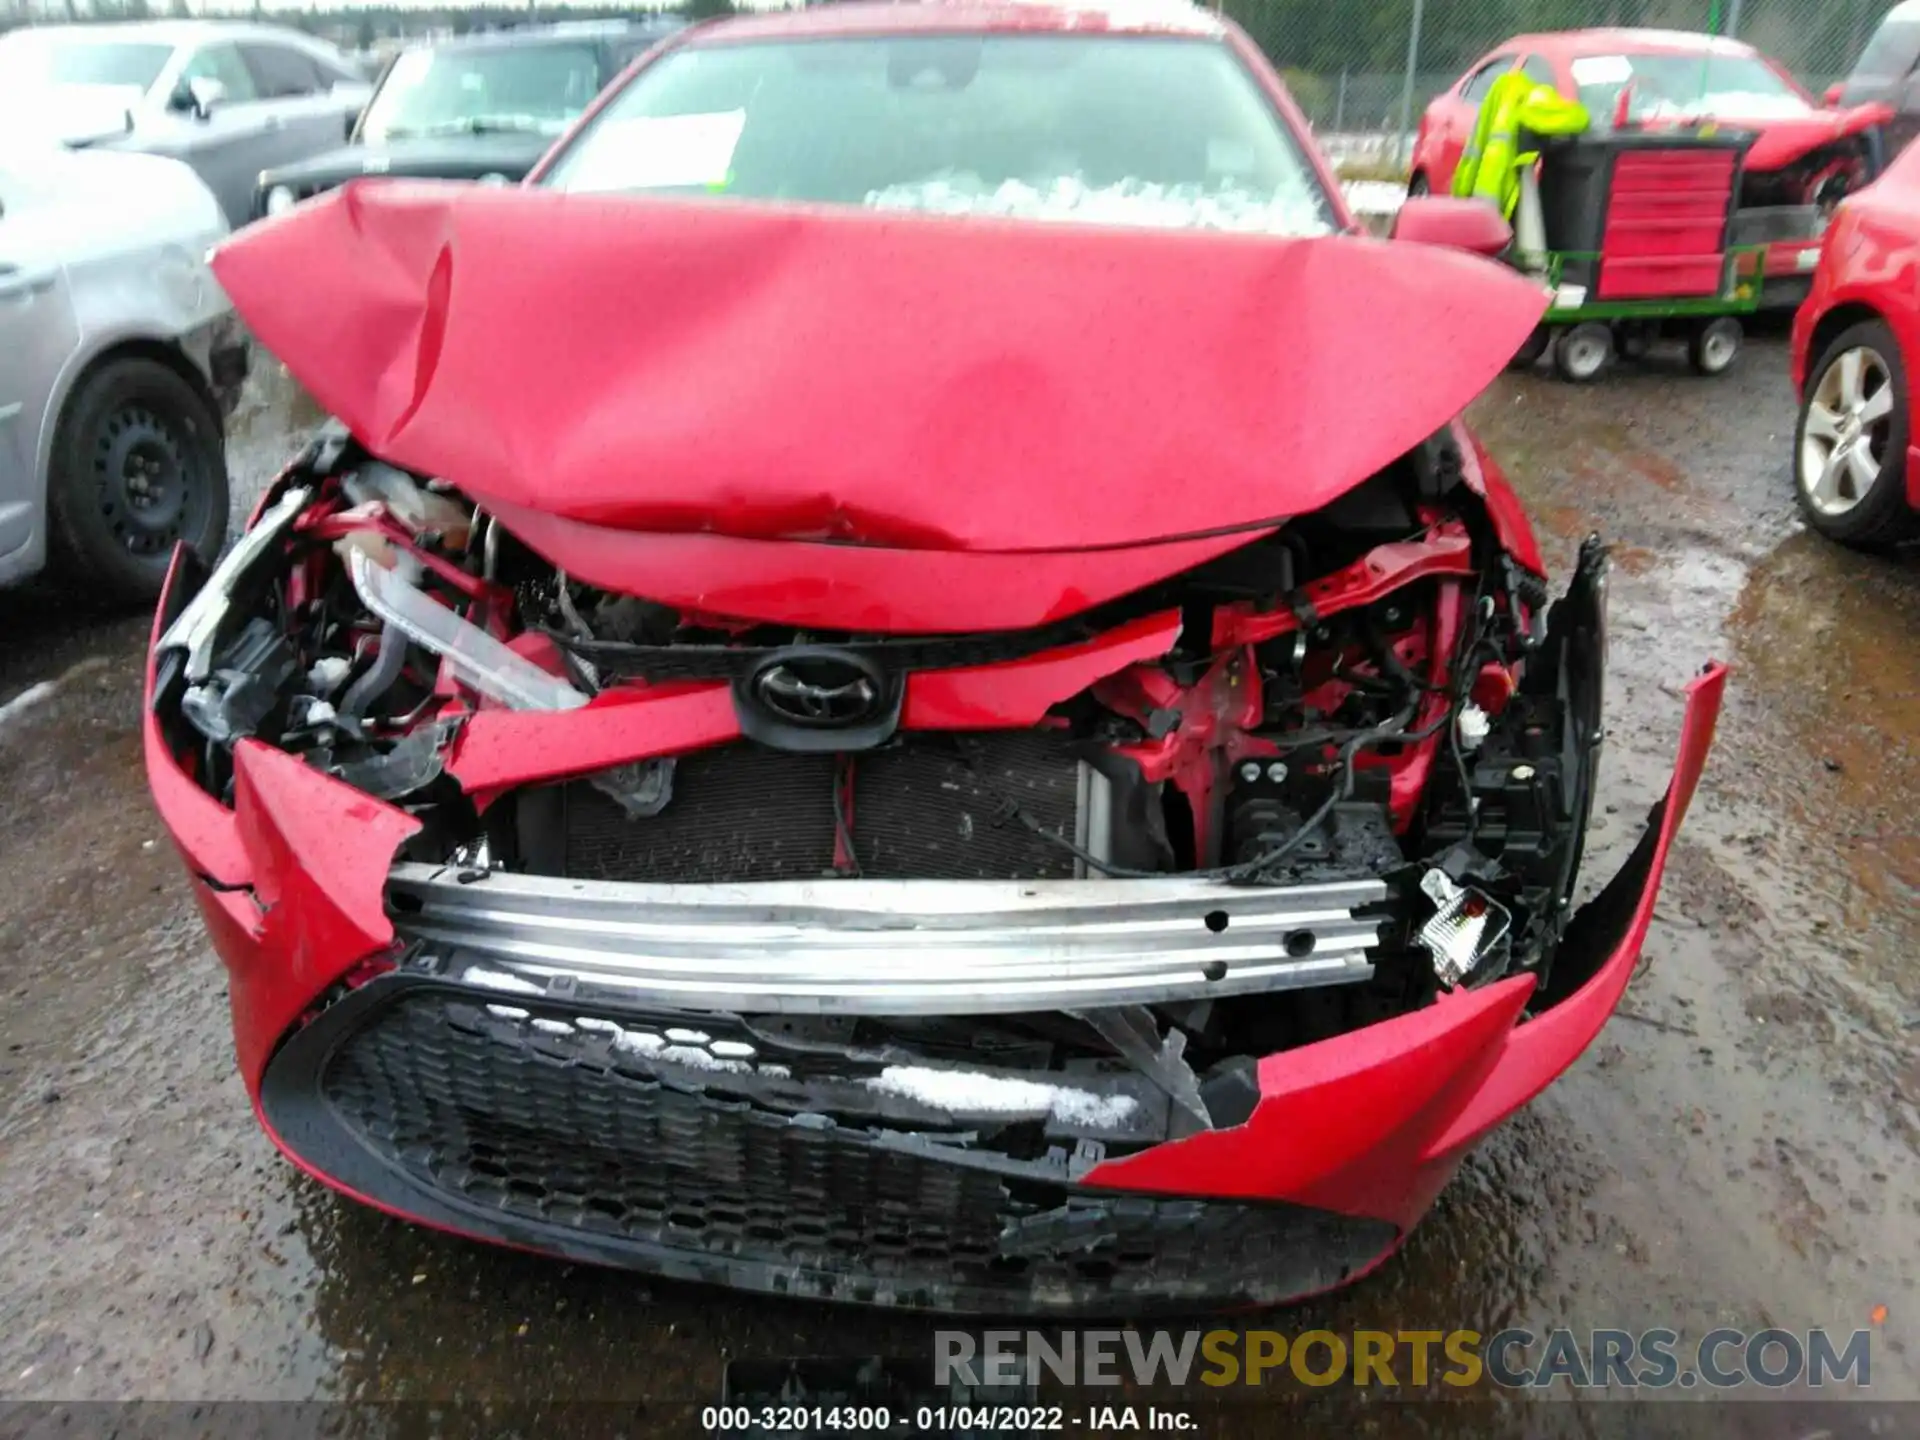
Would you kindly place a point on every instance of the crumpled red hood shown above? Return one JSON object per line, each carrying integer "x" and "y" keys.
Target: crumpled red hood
{"x": 1782, "y": 141}
{"x": 718, "y": 368}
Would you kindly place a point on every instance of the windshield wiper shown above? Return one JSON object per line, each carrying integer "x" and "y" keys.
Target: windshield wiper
{"x": 478, "y": 125}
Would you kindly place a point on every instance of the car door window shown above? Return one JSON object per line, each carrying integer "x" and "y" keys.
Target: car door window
{"x": 223, "y": 64}
{"x": 1481, "y": 81}
{"x": 1539, "y": 71}
{"x": 280, "y": 72}
{"x": 332, "y": 75}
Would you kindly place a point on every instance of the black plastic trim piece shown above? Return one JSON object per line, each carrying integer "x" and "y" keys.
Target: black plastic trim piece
{"x": 813, "y": 699}
{"x": 1325, "y": 1249}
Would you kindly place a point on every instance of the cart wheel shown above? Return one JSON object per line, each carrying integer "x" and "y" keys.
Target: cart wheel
{"x": 1714, "y": 345}
{"x": 1584, "y": 352}
{"x": 1531, "y": 349}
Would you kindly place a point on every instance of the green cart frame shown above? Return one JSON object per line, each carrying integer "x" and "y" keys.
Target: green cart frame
{"x": 1585, "y": 336}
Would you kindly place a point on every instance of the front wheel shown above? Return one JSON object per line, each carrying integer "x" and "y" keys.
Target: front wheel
{"x": 139, "y": 463}
{"x": 1712, "y": 347}
{"x": 1584, "y": 352}
{"x": 1850, "y": 449}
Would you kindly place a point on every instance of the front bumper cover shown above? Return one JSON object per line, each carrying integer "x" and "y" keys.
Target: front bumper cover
{"x": 527, "y": 1125}
{"x": 377, "y": 1091}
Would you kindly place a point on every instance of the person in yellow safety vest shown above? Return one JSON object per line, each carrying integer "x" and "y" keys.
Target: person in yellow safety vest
{"x": 1489, "y": 167}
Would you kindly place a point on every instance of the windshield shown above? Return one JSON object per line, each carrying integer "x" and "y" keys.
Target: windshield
{"x": 1117, "y": 129}
{"x": 1733, "y": 87}
{"x": 30, "y": 61}
{"x": 537, "y": 89}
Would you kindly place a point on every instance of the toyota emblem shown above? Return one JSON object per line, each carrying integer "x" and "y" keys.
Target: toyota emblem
{"x": 821, "y": 690}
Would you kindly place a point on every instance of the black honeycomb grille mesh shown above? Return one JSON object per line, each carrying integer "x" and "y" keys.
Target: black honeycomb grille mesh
{"x": 549, "y": 1132}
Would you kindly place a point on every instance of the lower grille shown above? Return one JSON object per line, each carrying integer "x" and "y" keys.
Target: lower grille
{"x": 411, "y": 1093}
{"x": 926, "y": 808}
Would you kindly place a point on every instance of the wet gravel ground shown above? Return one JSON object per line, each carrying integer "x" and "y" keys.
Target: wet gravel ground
{"x": 1739, "y": 1147}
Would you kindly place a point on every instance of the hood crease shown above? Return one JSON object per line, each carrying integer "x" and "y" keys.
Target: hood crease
{"x": 926, "y": 383}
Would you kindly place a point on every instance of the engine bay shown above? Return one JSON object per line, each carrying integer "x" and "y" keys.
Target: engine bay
{"x": 1373, "y": 692}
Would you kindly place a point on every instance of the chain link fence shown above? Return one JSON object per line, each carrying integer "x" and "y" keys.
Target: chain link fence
{"x": 1364, "y": 69}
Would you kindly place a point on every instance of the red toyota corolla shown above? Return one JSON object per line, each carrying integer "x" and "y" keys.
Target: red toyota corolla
{"x": 1857, "y": 473}
{"x": 1803, "y": 159}
{"x": 1015, "y": 759}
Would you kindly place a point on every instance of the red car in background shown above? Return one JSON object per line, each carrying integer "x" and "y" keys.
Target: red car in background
{"x": 1856, "y": 342}
{"x": 836, "y": 718}
{"x": 1803, "y": 162}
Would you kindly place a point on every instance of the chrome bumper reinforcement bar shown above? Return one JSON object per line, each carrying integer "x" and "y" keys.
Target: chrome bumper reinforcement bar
{"x": 894, "y": 947}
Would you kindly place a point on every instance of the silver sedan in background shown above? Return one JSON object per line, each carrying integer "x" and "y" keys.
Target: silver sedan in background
{"x": 229, "y": 99}
{"x": 120, "y": 357}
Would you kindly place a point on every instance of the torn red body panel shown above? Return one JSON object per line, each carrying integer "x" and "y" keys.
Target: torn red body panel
{"x": 1445, "y": 550}
{"x": 1781, "y": 141}
{"x": 1019, "y": 693}
{"x": 518, "y": 747}
{"x": 1375, "y": 1122}
{"x": 499, "y": 748}
{"x": 766, "y": 374}
{"x": 202, "y": 828}
{"x": 319, "y": 852}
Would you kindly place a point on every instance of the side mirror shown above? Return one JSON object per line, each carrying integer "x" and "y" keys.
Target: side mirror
{"x": 1830, "y": 97}
{"x": 1455, "y": 223}
{"x": 200, "y": 97}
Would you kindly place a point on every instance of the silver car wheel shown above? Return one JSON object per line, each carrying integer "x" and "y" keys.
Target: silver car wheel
{"x": 1849, "y": 417}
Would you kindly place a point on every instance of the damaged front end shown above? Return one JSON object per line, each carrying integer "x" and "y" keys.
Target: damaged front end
{"x": 1794, "y": 176}
{"x": 860, "y": 965}
{"x": 1037, "y": 821}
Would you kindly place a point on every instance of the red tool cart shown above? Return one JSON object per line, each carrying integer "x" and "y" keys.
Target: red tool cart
{"x": 1638, "y": 249}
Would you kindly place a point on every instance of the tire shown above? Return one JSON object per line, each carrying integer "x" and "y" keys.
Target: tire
{"x": 139, "y": 462}
{"x": 1531, "y": 349}
{"x": 1713, "y": 347}
{"x": 1862, "y": 502}
{"x": 1419, "y": 185}
{"x": 1583, "y": 353}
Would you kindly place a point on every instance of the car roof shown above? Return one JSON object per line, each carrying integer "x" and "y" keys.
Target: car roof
{"x": 1615, "y": 41}
{"x": 919, "y": 17}
{"x": 179, "y": 32}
